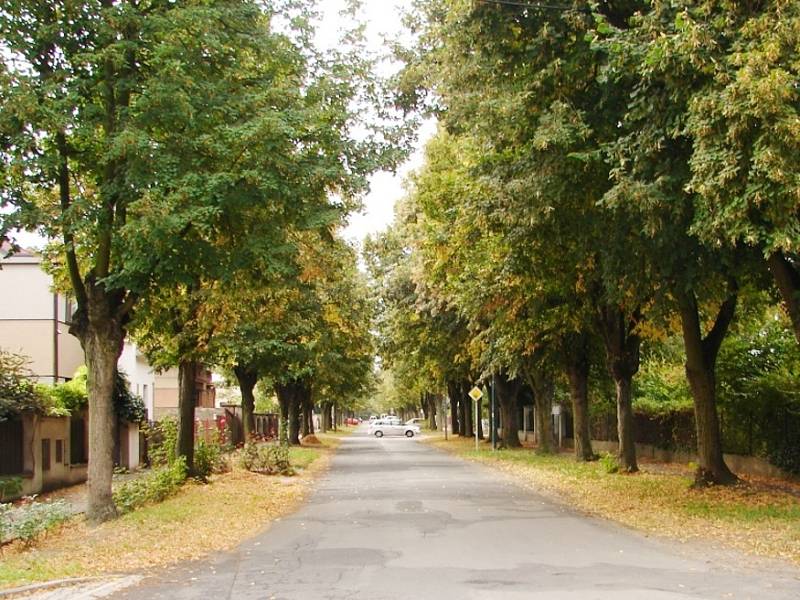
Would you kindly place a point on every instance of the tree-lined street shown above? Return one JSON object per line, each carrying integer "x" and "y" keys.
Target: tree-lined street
{"x": 397, "y": 519}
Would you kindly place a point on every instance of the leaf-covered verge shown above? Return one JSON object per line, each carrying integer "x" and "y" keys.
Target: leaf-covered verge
{"x": 189, "y": 525}
{"x": 757, "y": 516}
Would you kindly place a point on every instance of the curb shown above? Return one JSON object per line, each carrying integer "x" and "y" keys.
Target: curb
{"x": 55, "y": 583}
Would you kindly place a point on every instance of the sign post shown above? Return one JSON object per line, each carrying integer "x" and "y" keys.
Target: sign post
{"x": 476, "y": 394}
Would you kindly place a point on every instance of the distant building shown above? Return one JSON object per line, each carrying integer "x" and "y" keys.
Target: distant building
{"x": 34, "y": 322}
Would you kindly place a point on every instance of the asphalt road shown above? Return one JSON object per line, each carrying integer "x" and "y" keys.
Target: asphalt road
{"x": 397, "y": 519}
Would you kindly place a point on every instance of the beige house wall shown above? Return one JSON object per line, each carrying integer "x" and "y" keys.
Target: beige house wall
{"x": 32, "y": 339}
{"x": 33, "y": 320}
{"x": 30, "y": 295}
{"x": 166, "y": 390}
{"x": 60, "y": 474}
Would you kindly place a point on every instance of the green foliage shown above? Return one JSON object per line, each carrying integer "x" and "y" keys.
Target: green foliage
{"x": 610, "y": 463}
{"x": 5, "y": 523}
{"x": 269, "y": 459}
{"x": 128, "y": 406}
{"x": 71, "y": 396}
{"x": 209, "y": 458}
{"x": 17, "y": 392}
{"x": 161, "y": 483}
{"x": 32, "y": 519}
{"x": 9, "y": 487}
{"x": 162, "y": 442}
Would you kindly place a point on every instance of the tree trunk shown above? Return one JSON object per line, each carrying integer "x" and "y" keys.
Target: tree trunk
{"x": 469, "y": 416}
{"x": 577, "y": 366}
{"x": 507, "y": 396}
{"x": 701, "y": 359}
{"x": 787, "y": 279}
{"x": 294, "y": 418}
{"x": 284, "y": 392}
{"x": 479, "y": 407}
{"x": 454, "y": 391}
{"x": 543, "y": 392}
{"x": 622, "y": 345}
{"x": 325, "y": 420}
{"x": 247, "y": 378}
{"x": 187, "y": 400}
{"x": 308, "y": 411}
{"x": 430, "y": 402}
{"x": 102, "y": 347}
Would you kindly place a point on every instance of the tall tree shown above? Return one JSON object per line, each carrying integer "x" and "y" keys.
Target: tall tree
{"x": 114, "y": 116}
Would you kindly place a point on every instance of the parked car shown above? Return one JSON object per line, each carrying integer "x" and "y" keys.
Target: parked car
{"x": 415, "y": 421}
{"x": 394, "y": 427}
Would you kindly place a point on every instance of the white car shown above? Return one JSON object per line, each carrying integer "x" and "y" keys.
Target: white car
{"x": 393, "y": 427}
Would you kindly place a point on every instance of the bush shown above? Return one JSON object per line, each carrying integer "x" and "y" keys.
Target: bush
{"x": 158, "y": 485}
{"x": 28, "y": 521}
{"x": 10, "y": 486}
{"x": 270, "y": 459}
{"x": 209, "y": 458}
{"x": 5, "y": 523}
{"x": 610, "y": 463}
{"x": 162, "y": 442}
{"x": 18, "y": 393}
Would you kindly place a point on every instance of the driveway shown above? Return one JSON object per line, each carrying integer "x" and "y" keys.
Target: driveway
{"x": 395, "y": 518}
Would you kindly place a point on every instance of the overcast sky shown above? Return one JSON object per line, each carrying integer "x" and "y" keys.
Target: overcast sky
{"x": 384, "y": 21}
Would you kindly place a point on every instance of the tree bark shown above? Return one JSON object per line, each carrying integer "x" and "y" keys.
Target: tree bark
{"x": 247, "y": 378}
{"x": 325, "y": 420}
{"x": 787, "y": 279}
{"x": 576, "y": 349}
{"x": 284, "y": 392}
{"x": 507, "y": 396}
{"x": 479, "y": 408}
{"x": 469, "y": 418}
{"x": 187, "y": 400}
{"x": 430, "y": 402}
{"x": 99, "y": 325}
{"x": 308, "y": 411}
{"x": 294, "y": 418}
{"x": 543, "y": 392}
{"x": 622, "y": 358}
{"x": 101, "y": 351}
{"x": 701, "y": 359}
{"x": 454, "y": 391}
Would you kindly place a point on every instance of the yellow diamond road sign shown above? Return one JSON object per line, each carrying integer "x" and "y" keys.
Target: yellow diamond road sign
{"x": 475, "y": 393}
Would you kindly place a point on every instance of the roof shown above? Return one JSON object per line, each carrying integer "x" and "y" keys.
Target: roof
{"x": 6, "y": 247}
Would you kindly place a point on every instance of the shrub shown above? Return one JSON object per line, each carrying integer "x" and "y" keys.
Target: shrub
{"x": 270, "y": 459}
{"x": 18, "y": 393}
{"x": 610, "y": 463}
{"x": 5, "y": 523}
{"x": 156, "y": 486}
{"x": 209, "y": 458}
{"x": 10, "y": 486}
{"x": 162, "y": 442}
{"x": 29, "y": 521}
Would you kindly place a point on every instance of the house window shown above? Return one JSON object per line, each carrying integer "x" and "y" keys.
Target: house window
{"x": 11, "y": 448}
{"x": 77, "y": 441}
{"x": 59, "y": 452}
{"x": 69, "y": 308}
{"x": 46, "y": 454}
